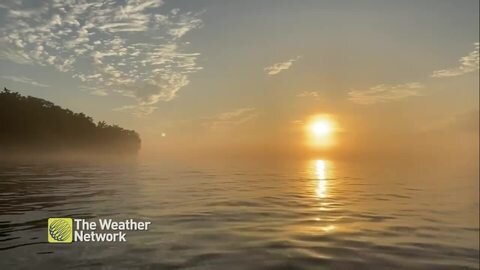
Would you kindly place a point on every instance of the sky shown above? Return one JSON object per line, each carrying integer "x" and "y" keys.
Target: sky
{"x": 211, "y": 77}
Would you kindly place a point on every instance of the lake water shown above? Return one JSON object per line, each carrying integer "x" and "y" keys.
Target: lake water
{"x": 312, "y": 214}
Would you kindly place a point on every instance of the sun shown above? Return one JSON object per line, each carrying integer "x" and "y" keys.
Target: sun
{"x": 320, "y": 131}
{"x": 321, "y": 127}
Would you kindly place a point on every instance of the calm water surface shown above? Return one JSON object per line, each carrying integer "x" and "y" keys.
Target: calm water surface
{"x": 316, "y": 214}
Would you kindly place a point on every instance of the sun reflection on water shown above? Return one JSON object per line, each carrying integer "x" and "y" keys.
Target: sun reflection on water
{"x": 321, "y": 186}
{"x": 321, "y": 176}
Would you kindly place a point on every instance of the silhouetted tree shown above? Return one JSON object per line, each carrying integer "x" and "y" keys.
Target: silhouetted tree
{"x": 34, "y": 124}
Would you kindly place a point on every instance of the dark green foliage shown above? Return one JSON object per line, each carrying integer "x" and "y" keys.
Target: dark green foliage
{"x": 29, "y": 124}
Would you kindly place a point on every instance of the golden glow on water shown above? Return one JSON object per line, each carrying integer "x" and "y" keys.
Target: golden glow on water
{"x": 322, "y": 174}
{"x": 321, "y": 177}
{"x": 329, "y": 228}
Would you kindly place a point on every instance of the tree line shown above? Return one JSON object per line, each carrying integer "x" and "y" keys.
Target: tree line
{"x": 30, "y": 124}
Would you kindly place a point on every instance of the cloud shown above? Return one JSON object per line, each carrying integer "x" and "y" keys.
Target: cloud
{"x": 469, "y": 63}
{"x": 95, "y": 91}
{"x": 133, "y": 48}
{"x": 25, "y": 80}
{"x": 15, "y": 56}
{"x": 232, "y": 118}
{"x": 279, "y": 67}
{"x": 385, "y": 93}
{"x": 312, "y": 94}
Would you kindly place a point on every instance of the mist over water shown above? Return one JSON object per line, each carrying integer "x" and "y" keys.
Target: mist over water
{"x": 304, "y": 214}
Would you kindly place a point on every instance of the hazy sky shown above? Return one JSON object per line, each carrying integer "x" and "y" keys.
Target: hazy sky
{"x": 245, "y": 76}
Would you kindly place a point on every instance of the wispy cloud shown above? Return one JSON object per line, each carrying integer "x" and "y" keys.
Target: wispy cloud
{"x": 95, "y": 91}
{"x": 137, "y": 110}
{"x": 468, "y": 63}
{"x": 232, "y": 118}
{"x": 312, "y": 94}
{"x": 279, "y": 67}
{"x": 25, "y": 80}
{"x": 130, "y": 47}
{"x": 385, "y": 93}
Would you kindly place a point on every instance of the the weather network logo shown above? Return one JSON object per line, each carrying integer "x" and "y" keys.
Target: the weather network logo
{"x": 60, "y": 230}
